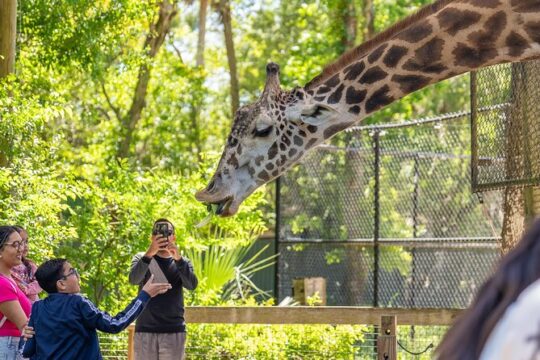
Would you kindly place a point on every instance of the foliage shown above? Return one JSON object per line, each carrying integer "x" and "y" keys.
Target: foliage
{"x": 268, "y": 342}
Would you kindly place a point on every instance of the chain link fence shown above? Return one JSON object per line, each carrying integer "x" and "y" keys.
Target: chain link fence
{"x": 505, "y": 103}
{"x": 387, "y": 216}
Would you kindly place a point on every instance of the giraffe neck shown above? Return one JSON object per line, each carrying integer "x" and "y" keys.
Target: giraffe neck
{"x": 462, "y": 36}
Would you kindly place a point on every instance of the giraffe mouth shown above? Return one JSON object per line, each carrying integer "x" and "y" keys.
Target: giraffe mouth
{"x": 221, "y": 207}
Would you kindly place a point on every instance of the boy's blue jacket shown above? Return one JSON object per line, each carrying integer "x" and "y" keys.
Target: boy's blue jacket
{"x": 66, "y": 324}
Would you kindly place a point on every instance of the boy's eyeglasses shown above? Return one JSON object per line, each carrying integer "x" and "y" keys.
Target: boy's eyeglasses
{"x": 71, "y": 272}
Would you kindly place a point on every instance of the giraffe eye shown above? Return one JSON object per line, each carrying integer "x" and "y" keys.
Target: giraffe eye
{"x": 262, "y": 133}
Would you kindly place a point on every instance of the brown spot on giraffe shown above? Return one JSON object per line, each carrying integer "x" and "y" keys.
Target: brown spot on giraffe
{"x": 352, "y": 72}
{"x": 533, "y": 31}
{"x": 453, "y": 20}
{"x": 394, "y": 55}
{"x": 516, "y": 43}
{"x": 489, "y": 4}
{"x": 472, "y": 57}
{"x": 373, "y": 75}
{"x": 417, "y": 32}
{"x": 525, "y": 6}
{"x": 410, "y": 83}
{"x": 353, "y": 96}
{"x": 379, "y": 99}
{"x": 427, "y": 58}
{"x": 336, "y": 95}
{"x": 376, "y": 54}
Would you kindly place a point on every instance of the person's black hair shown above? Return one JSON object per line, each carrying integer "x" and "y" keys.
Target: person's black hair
{"x": 516, "y": 270}
{"x": 49, "y": 273}
{"x": 163, "y": 220}
{"x": 5, "y": 233}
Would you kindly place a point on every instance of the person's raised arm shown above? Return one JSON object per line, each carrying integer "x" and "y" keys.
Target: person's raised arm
{"x": 95, "y": 318}
{"x": 140, "y": 262}
{"x": 185, "y": 268}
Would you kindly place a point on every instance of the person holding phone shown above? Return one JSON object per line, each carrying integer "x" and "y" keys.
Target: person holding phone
{"x": 160, "y": 330}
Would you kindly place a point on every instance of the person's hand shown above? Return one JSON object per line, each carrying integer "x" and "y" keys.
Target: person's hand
{"x": 28, "y": 332}
{"x": 158, "y": 243}
{"x": 173, "y": 250}
{"x": 154, "y": 289}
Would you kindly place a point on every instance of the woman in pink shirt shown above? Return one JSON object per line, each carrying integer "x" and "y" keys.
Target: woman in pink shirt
{"x": 23, "y": 274}
{"x": 14, "y": 305}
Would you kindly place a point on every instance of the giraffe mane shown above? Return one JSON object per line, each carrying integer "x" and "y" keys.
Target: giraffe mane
{"x": 361, "y": 50}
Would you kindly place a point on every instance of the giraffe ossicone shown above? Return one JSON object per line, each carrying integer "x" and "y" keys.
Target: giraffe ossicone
{"x": 442, "y": 40}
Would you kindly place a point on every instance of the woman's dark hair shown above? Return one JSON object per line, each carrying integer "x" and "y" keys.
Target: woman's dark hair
{"x": 5, "y": 233}
{"x": 516, "y": 271}
{"x": 48, "y": 273}
{"x": 25, "y": 261}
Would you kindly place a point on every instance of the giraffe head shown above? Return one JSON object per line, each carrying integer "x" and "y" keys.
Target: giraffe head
{"x": 267, "y": 137}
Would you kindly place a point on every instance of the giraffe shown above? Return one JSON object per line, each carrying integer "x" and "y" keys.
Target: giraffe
{"x": 441, "y": 40}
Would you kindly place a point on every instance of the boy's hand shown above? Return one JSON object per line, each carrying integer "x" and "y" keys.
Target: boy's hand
{"x": 173, "y": 250}
{"x": 158, "y": 243}
{"x": 28, "y": 332}
{"x": 154, "y": 289}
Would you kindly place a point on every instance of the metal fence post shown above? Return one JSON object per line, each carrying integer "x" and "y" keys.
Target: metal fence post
{"x": 277, "y": 231}
{"x": 387, "y": 340}
{"x": 377, "y": 214}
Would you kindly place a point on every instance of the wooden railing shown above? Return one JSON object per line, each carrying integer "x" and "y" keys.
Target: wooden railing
{"x": 386, "y": 318}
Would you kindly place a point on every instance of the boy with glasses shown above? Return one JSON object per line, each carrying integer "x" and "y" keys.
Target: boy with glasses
{"x": 65, "y": 323}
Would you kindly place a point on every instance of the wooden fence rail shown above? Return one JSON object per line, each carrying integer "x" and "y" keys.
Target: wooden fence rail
{"x": 385, "y": 318}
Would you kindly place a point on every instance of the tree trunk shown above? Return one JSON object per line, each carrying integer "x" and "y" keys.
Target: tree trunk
{"x": 203, "y": 6}
{"x": 351, "y": 23}
{"x": 8, "y": 35}
{"x": 369, "y": 19}
{"x": 522, "y": 161}
{"x": 225, "y": 13}
{"x": 154, "y": 40}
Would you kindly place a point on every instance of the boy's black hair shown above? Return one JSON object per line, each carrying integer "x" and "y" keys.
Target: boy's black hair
{"x": 49, "y": 273}
{"x": 163, "y": 220}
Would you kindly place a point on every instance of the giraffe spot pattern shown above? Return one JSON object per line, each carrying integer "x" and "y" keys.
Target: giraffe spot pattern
{"x": 233, "y": 161}
{"x": 393, "y": 55}
{"x": 292, "y": 152}
{"x": 426, "y": 58}
{"x": 472, "y": 57}
{"x": 354, "y": 109}
{"x": 373, "y": 75}
{"x": 298, "y": 140}
{"x": 354, "y": 70}
{"x": 251, "y": 171}
{"x": 378, "y": 99}
{"x": 263, "y": 175}
{"x": 312, "y": 129}
{"x": 353, "y": 96}
{"x": 323, "y": 89}
{"x": 416, "y": 33}
{"x": 376, "y": 54}
{"x": 492, "y": 30}
{"x": 310, "y": 143}
{"x": 269, "y": 166}
{"x": 533, "y": 31}
{"x": 319, "y": 98}
{"x": 336, "y": 95}
{"x": 491, "y": 4}
{"x": 526, "y": 5}
{"x": 516, "y": 44}
{"x": 332, "y": 82}
{"x": 410, "y": 83}
{"x": 272, "y": 152}
{"x": 453, "y": 20}
{"x": 258, "y": 160}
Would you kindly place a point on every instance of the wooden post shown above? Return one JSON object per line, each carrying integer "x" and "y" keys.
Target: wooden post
{"x": 387, "y": 340}
{"x": 131, "y": 335}
{"x": 8, "y": 35}
{"x": 305, "y": 288}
